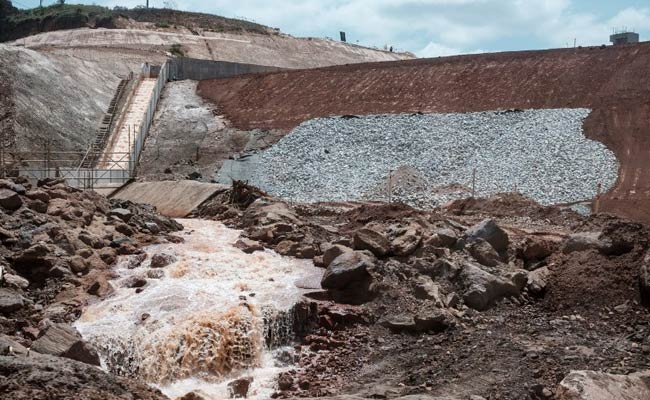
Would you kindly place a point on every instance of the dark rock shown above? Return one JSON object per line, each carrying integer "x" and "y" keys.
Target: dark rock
{"x": 37, "y": 206}
{"x": 124, "y": 229}
{"x": 10, "y": 200}
{"x": 248, "y": 246}
{"x": 371, "y": 240}
{"x": 63, "y": 340}
{"x": 162, "y": 260}
{"x": 644, "y": 281}
{"x": 489, "y": 231}
{"x": 442, "y": 238}
{"x": 153, "y": 227}
{"x": 10, "y": 301}
{"x": 581, "y": 242}
{"x": 482, "y": 289}
{"x": 333, "y": 251}
{"x": 47, "y": 377}
{"x": 484, "y": 253}
{"x": 121, "y": 213}
{"x": 78, "y": 265}
{"x": 285, "y": 381}
{"x": 39, "y": 195}
{"x": 134, "y": 282}
{"x": 239, "y": 387}
{"x": 436, "y": 321}
{"x": 440, "y": 268}
{"x": 536, "y": 249}
{"x": 347, "y": 268}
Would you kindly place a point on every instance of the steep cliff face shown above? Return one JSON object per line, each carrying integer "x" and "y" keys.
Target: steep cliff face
{"x": 613, "y": 82}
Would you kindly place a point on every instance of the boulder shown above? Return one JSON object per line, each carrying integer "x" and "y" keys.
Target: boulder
{"x": 581, "y": 242}
{"x": 537, "y": 281}
{"x": 162, "y": 260}
{"x": 371, "y": 240}
{"x": 482, "y": 289}
{"x": 348, "y": 268}
{"x": 39, "y": 195}
{"x": 121, "y": 213}
{"x": 134, "y": 282}
{"x": 48, "y": 377}
{"x": 407, "y": 242}
{"x": 443, "y": 238}
{"x": 37, "y": 206}
{"x": 535, "y": 249}
{"x": 15, "y": 281}
{"x": 489, "y": 231}
{"x": 152, "y": 227}
{"x": 644, "y": 281}
{"x": 63, "y": 340}
{"x": 10, "y": 301}
{"x": 333, "y": 251}
{"x": 10, "y": 200}
{"x": 433, "y": 321}
{"x": 239, "y": 387}
{"x": 484, "y": 253}
{"x": 9, "y": 347}
{"x": 191, "y": 396}
{"x": 248, "y": 246}
{"x": 440, "y": 268}
{"x": 592, "y": 385}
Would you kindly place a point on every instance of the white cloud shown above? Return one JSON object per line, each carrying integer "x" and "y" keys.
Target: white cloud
{"x": 437, "y": 50}
{"x": 433, "y": 27}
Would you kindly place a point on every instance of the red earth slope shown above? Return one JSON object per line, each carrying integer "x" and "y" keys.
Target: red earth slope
{"x": 613, "y": 81}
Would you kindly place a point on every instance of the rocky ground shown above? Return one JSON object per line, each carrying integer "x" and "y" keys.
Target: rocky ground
{"x": 540, "y": 153}
{"x": 58, "y": 246}
{"x": 498, "y": 298}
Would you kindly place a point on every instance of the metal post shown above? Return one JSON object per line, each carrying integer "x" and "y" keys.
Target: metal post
{"x": 598, "y": 193}
{"x": 2, "y": 154}
{"x": 390, "y": 186}
{"x": 129, "y": 149}
{"x": 473, "y": 182}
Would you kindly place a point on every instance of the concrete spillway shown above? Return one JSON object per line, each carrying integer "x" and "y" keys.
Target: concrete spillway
{"x": 120, "y": 145}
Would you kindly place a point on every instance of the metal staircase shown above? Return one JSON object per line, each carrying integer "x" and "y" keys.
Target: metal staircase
{"x": 104, "y": 131}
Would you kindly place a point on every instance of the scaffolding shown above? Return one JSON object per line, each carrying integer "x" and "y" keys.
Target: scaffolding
{"x": 36, "y": 166}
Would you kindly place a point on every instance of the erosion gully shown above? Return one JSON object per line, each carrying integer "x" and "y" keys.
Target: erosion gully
{"x": 214, "y": 315}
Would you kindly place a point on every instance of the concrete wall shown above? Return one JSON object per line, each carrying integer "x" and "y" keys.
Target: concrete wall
{"x": 194, "y": 69}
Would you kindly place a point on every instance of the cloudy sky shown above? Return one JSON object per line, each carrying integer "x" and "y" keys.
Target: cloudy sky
{"x": 432, "y": 28}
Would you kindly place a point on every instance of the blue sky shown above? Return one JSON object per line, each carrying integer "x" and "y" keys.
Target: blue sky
{"x": 432, "y": 28}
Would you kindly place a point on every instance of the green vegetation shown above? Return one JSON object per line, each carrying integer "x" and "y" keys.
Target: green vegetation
{"x": 177, "y": 50}
{"x": 60, "y": 10}
{"x": 17, "y": 23}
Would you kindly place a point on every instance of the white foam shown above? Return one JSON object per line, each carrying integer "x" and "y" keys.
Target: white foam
{"x": 203, "y": 321}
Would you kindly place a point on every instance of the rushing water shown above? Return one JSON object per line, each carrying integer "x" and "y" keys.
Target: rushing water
{"x": 215, "y": 314}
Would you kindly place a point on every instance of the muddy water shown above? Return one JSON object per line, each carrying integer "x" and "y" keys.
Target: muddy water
{"x": 212, "y": 316}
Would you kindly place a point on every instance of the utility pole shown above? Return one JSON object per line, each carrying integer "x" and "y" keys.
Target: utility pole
{"x": 147, "y": 3}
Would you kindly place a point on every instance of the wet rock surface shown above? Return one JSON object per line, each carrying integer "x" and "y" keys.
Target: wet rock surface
{"x": 54, "y": 259}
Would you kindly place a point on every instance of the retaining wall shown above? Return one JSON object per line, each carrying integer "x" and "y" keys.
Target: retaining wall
{"x": 197, "y": 70}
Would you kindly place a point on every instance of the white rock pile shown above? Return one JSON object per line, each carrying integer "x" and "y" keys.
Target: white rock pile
{"x": 540, "y": 153}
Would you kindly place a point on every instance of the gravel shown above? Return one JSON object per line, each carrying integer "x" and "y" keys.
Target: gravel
{"x": 540, "y": 153}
